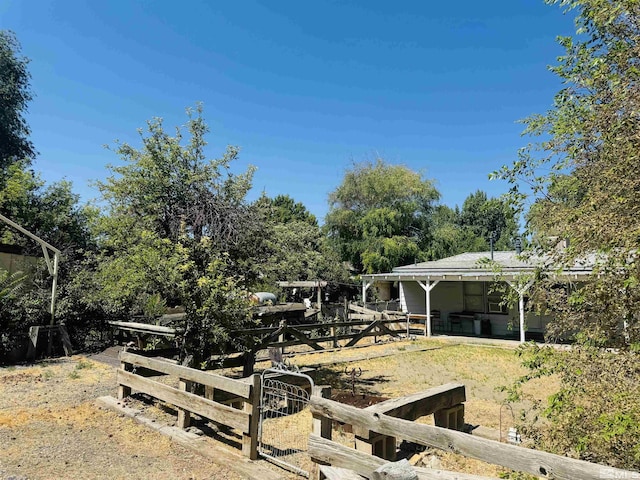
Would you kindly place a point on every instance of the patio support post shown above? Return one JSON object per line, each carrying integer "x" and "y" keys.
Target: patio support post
{"x": 427, "y": 287}
{"x": 365, "y": 287}
{"x": 521, "y": 290}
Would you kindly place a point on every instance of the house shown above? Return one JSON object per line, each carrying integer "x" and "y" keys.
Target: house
{"x": 457, "y": 294}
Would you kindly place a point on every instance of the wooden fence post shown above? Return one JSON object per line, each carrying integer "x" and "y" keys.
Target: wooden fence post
{"x": 322, "y": 426}
{"x": 124, "y": 391}
{"x": 184, "y": 416}
{"x": 252, "y": 406}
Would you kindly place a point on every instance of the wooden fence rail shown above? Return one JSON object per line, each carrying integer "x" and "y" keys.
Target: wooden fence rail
{"x": 247, "y": 392}
{"x": 534, "y": 462}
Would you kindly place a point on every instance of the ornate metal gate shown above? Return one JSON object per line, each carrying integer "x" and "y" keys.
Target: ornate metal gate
{"x": 285, "y": 421}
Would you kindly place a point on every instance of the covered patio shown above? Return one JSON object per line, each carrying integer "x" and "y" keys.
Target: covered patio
{"x": 456, "y": 295}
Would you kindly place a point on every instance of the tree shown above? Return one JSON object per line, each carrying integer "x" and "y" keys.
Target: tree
{"x": 457, "y": 231}
{"x": 176, "y": 233}
{"x": 294, "y": 247}
{"x": 583, "y": 174}
{"x": 379, "y": 216}
{"x": 284, "y": 209}
{"x": 15, "y": 94}
{"x": 483, "y": 216}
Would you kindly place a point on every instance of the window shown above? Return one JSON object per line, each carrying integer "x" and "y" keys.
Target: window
{"x": 479, "y": 298}
{"x": 473, "y": 296}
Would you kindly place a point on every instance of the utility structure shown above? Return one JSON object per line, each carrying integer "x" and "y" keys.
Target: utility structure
{"x": 52, "y": 265}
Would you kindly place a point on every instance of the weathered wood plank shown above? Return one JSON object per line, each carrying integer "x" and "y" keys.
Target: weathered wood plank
{"x": 362, "y": 334}
{"x": 426, "y": 402}
{"x": 252, "y": 408}
{"x": 322, "y": 426}
{"x": 302, "y": 337}
{"x": 359, "y": 309}
{"x": 144, "y": 328}
{"x": 66, "y": 341}
{"x": 365, "y": 316}
{"x": 303, "y": 284}
{"x": 184, "y": 416}
{"x": 335, "y": 473}
{"x": 534, "y": 462}
{"x": 188, "y": 401}
{"x": 363, "y": 464}
{"x": 220, "y": 382}
{"x": 383, "y": 329}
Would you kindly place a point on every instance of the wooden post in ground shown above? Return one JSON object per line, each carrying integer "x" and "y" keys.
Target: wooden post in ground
{"x": 33, "y": 342}
{"x": 322, "y": 427}
{"x": 252, "y": 406}
{"x": 184, "y": 416}
{"x": 124, "y": 391}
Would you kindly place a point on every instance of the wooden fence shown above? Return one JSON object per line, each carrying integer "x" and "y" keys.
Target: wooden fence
{"x": 534, "y": 462}
{"x": 245, "y": 392}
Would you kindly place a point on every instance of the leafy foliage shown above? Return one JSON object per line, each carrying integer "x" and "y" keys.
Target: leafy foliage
{"x": 595, "y": 415}
{"x": 379, "y": 216}
{"x": 583, "y": 174}
{"x": 293, "y": 246}
{"x": 15, "y": 95}
{"x": 11, "y": 286}
{"x": 176, "y": 235}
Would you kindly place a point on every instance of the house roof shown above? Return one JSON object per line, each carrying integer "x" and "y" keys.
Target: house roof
{"x": 475, "y": 266}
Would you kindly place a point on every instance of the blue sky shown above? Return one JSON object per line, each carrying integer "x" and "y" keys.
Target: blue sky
{"x": 304, "y": 88}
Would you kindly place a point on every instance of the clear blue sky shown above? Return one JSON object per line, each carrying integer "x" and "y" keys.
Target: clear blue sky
{"x": 304, "y": 88}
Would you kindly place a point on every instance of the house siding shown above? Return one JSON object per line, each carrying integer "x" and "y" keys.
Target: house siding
{"x": 448, "y": 297}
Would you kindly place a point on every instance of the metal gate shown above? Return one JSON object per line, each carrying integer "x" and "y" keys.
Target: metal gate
{"x": 285, "y": 421}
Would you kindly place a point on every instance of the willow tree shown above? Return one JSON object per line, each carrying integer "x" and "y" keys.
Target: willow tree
{"x": 379, "y": 216}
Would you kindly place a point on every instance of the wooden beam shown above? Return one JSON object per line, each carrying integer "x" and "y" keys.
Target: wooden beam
{"x": 412, "y": 407}
{"x": 190, "y": 374}
{"x": 188, "y": 401}
{"x": 303, "y": 338}
{"x": 359, "y": 309}
{"x": 144, "y": 328}
{"x": 252, "y": 407}
{"x": 335, "y": 473}
{"x": 534, "y": 462}
{"x": 303, "y": 284}
{"x": 338, "y": 455}
{"x": 383, "y": 329}
{"x": 362, "y": 334}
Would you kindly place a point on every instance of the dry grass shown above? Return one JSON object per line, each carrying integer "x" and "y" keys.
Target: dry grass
{"x": 50, "y": 427}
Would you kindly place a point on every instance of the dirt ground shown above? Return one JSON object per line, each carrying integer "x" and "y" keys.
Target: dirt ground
{"x": 50, "y": 426}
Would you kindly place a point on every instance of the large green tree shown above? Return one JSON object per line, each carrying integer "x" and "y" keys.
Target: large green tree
{"x": 583, "y": 173}
{"x": 15, "y": 95}
{"x": 482, "y": 217}
{"x": 379, "y": 216}
{"x": 294, "y": 246}
{"x": 177, "y": 233}
{"x": 469, "y": 230}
